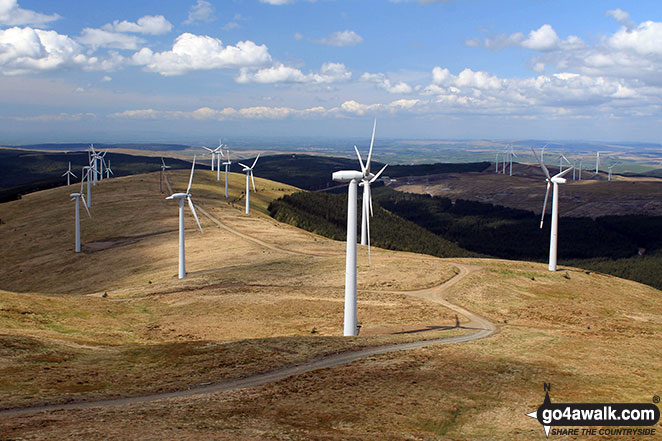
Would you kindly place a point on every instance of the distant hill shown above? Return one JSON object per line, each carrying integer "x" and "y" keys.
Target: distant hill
{"x": 84, "y": 146}
{"x": 23, "y": 172}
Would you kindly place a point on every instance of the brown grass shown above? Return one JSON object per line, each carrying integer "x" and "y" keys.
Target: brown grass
{"x": 246, "y": 308}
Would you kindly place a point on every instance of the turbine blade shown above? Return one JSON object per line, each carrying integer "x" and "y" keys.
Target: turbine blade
{"x": 544, "y": 205}
{"x": 563, "y": 173}
{"x": 363, "y": 169}
{"x": 372, "y": 142}
{"x": 82, "y": 196}
{"x": 255, "y": 162}
{"x": 190, "y": 181}
{"x": 544, "y": 169}
{"x": 379, "y": 173}
{"x": 253, "y": 180}
{"x": 163, "y": 162}
{"x": 243, "y": 165}
{"x": 207, "y": 148}
{"x": 195, "y": 215}
{"x": 370, "y": 198}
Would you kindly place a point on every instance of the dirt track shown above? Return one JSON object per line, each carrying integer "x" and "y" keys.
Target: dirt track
{"x": 482, "y": 326}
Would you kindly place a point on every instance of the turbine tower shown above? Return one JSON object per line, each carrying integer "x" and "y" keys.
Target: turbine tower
{"x": 353, "y": 177}
{"x": 181, "y": 197}
{"x": 109, "y": 171}
{"x": 597, "y": 163}
{"x": 552, "y": 180}
{"x": 219, "y": 154}
{"x": 367, "y": 195}
{"x": 511, "y": 153}
{"x": 227, "y": 164}
{"x": 69, "y": 174}
{"x": 85, "y": 176}
{"x": 77, "y": 197}
{"x": 249, "y": 173}
{"x": 496, "y": 163}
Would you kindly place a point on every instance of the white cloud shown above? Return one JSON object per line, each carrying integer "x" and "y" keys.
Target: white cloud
{"x": 28, "y": 50}
{"x": 149, "y": 24}
{"x": 279, "y": 73}
{"x": 228, "y": 113}
{"x": 621, "y": 17}
{"x": 201, "y": 11}
{"x": 645, "y": 39}
{"x": 56, "y": 117}
{"x": 542, "y": 39}
{"x": 102, "y": 38}
{"x": 342, "y": 38}
{"x": 12, "y": 15}
{"x": 277, "y": 2}
{"x": 381, "y": 81}
{"x": 106, "y": 79}
{"x": 201, "y": 52}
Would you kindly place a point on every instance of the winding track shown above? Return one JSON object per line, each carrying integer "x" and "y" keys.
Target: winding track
{"x": 484, "y": 328}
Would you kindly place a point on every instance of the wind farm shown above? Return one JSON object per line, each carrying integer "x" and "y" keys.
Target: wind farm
{"x": 413, "y": 220}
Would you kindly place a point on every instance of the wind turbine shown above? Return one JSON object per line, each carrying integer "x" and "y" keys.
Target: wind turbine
{"x": 109, "y": 171}
{"x": 367, "y": 195}
{"x": 610, "y": 167}
{"x": 85, "y": 176}
{"x": 181, "y": 197}
{"x": 581, "y": 161}
{"x": 597, "y": 163}
{"x": 496, "y": 163}
{"x": 552, "y": 180}
{"x": 512, "y": 153}
{"x": 219, "y": 154}
{"x": 77, "y": 197}
{"x": 561, "y": 159}
{"x": 227, "y": 168}
{"x": 249, "y": 172}
{"x": 213, "y": 156}
{"x": 69, "y": 174}
{"x": 353, "y": 177}
{"x": 163, "y": 169}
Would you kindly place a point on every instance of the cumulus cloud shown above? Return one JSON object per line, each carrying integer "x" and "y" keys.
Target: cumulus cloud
{"x": 12, "y": 15}
{"x": 102, "y": 38}
{"x": 279, "y": 73}
{"x": 645, "y": 39}
{"x": 342, "y": 38}
{"x": 356, "y": 108}
{"x": 201, "y": 11}
{"x": 149, "y": 24}
{"x": 542, "y": 39}
{"x": 28, "y": 50}
{"x": 621, "y": 17}
{"x": 201, "y": 52}
{"x": 381, "y": 81}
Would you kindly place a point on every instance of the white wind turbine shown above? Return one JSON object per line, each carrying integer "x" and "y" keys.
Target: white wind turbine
{"x": 353, "y": 177}
{"x": 69, "y": 174}
{"x": 511, "y": 153}
{"x": 219, "y": 154}
{"x": 77, "y": 197}
{"x": 610, "y": 167}
{"x": 164, "y": 167}
{"x": 552, "y": 180}
{"x": 212, "y": 152}
{"x": 227, "y": 164}
{"x": 181, "y": 197}
{"x": 109, "y": 171}
{"x": 367, "y": 179}
{"x": 496, "y": 163}
{"x": 85, "y": 176}
{"x": 597, "y": 163}
{"x": 249, "y": 175}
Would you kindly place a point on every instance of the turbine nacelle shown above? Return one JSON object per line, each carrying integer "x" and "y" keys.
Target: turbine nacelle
{"x": 347, "y": 176}
{"x": 179, "y": 196}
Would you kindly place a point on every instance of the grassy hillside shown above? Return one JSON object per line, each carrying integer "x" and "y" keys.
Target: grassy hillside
{"x": 441, "y": 227}
{"x": 115, "y": 321}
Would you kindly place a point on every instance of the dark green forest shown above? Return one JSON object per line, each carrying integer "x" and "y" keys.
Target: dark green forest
{"x": 405, "y": 221}
{"x": 23, "y": 172}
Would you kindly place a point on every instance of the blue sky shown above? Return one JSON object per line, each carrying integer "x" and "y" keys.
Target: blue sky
{"x": 187, "y": 71}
